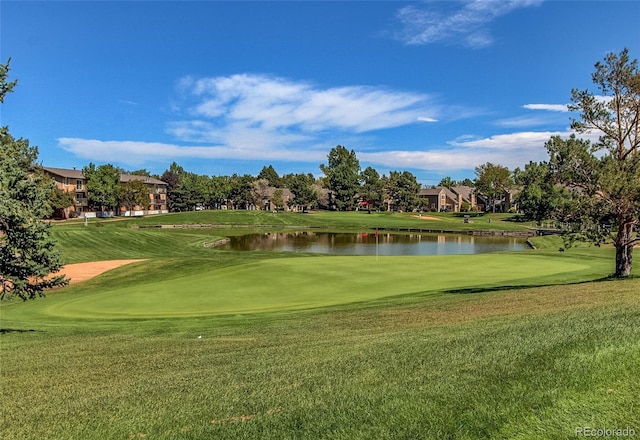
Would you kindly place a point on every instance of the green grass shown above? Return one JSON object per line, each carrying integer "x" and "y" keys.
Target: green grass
{"x": 354, "y": 220}
{"x": 196, "y": 343}
{"x": 202, "y": 288}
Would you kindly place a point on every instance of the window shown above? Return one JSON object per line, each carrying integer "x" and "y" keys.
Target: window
{"x": 78, "y": 184}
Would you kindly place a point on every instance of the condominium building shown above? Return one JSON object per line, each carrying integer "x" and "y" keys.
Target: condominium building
{"x": 74, "y": 181}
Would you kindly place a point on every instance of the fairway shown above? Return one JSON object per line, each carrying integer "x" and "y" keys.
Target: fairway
{"x": 302, "y": 283}
{"x": 196, "y": 342}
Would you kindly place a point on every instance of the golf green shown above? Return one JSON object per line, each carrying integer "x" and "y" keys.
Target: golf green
{"x": 302, "y": 283}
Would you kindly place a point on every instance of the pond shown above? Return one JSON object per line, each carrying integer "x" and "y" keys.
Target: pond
{"x": 365, "y": 243}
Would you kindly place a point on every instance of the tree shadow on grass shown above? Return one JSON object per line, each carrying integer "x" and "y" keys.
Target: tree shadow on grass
{"x": 513, "y": 287}
{"x": 15, "y": 330}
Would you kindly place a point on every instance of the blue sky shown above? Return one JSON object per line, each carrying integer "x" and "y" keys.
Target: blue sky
{"x": 435, "y": 88}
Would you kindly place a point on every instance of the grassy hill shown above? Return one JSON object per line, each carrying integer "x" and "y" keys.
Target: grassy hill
{"x": 197, "y": 343}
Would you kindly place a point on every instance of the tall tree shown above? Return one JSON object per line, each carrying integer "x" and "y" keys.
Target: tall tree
{"x": 134, "y": 193}
{"x": 240, "y": 190}
{"x": 172, "y": 177}
{"x": 539, "y": 197}
{"x": 493, "y": 181}
{"x": 605, "y": 175}
{"x": 220, "y": 188}
{"x": 403, "y": 189}
{"x": 103, "y": 186}
{"x": 28, "y": 256}
{"x": 269, "y": 173}
{"x": 302, "y": 189}
{"x": 342, "y": 172}
{"x": 448, "y": 182}
{"x": 140, "y": 172}
{"x": 372, "y": 188}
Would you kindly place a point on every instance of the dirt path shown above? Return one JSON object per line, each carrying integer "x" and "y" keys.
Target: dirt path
{"x": 83, "y": 271}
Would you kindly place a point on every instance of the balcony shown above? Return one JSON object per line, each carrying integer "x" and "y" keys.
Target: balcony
{"x": 82, "y": 201}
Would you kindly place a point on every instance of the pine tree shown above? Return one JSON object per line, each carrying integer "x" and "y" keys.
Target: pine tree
{"x": 28, "y": 256}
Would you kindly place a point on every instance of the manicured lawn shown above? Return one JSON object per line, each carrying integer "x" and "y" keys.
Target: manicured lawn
{"x": 533, "y": 363}
{"x": 354, "y": 220}
{"x": 197, "y": 343}
{"x": 201, "y": 287}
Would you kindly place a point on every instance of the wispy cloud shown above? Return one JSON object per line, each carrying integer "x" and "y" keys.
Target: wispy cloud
{"x": 466, "y": 22}
{"x": 547, "y": 107}
{"x": 258, "y": 117}
{"x": 139, "y": 152}
{"x": 466, "y": 152}
{"x": 272, "y": 103}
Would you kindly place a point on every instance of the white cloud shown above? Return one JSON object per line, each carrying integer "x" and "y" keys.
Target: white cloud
{"x": 466, "y": 152}
{"x": 529, "y": 121}
{"x": 262, "y": 117}
{"x": 464, "y": 22}
{"x": 547, "y": 107}
{"x": 137, "y": 153}
{"x": 272, "y": 103}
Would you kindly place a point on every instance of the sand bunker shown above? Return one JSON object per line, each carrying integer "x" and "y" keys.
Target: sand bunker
{"x": 83, "y": 271}
{"x": 426, "y": 217}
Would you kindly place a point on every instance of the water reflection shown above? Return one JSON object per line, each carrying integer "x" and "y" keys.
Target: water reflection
{"x": 365, "y": 243}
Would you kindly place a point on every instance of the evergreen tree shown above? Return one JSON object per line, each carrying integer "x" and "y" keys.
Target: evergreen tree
{"x": 28, "y": 256}
{"x": 343, "y": 173}
{"x": 604, "y": 177}
{"x": 403, "y": 189}
{"x": 270, "y": 175}
{"x": 302, "y": 189}
{"x": 372, "y": 189}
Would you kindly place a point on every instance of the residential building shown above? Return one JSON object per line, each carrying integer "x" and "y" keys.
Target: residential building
{"x": 440, "y": 199}
{"x": 73, "y": 181}
{"x": 287, "y": 199}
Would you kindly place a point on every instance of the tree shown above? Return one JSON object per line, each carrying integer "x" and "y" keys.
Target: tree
{"x": 140, "y": 172}
{"x": 28, "y": 256}
{"x": 59, "y": 200}
{"x": 540, "y": 197}
{"x": 403, "y": 189}
{"x": 448, "y": 182}
{"x": 103, "y": 186}
{"x": 260, "y": 192}
{"x": 219, "y": 189}
{"x": 322, "y": 193}
{"x": 609, "y": 171}
{"x": 604, "y": 177}
{"x": 302, "y": 189}
{"x": 270, "y": 175}
{"x": 372, "y": 188}
{"x": 342, "y": 172}
{"x": 278, "y": 199}
{"x": 172, "y": 178}
{"x": 134, "y": 193}
{"x": 493, "y": 181}
{"x": 240, "y": 190}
